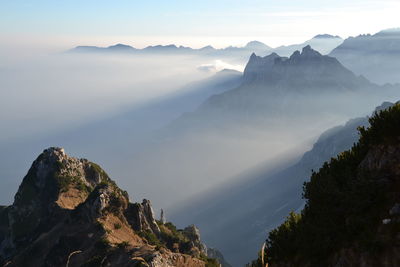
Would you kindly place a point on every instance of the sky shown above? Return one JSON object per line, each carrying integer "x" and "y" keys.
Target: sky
{"x": 60, "y": 24}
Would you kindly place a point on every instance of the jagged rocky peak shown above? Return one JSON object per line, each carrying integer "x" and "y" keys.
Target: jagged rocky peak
{"x": 258, "y": 64}
{"x": 69, "y": 210}
{"x": 56, "y": 177}
{"x": 309, "y": 63}
{"x": 301, "y": 67}
{"x": 141, "y": 217}
{"x": 307, "y": 51}
{"x": 308, "y": 54}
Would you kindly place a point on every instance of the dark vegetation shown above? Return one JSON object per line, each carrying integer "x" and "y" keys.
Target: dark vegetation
{"x": 345, "y": 204}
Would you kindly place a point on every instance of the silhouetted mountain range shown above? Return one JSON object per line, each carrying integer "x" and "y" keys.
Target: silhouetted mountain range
{"x": 275, "y": 86}
{"x": 253, "y": 46}
{"x": 375, "y": 56}
{"x": 324, "y": 43}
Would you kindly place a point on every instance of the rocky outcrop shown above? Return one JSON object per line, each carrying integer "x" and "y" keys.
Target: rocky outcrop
{"x": 141, "y": 217}
{"x": 54, "y": 184}
{"x": 196, "y": 246}
{"x": 67, "y": 211}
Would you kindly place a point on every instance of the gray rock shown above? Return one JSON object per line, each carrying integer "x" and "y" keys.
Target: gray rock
{"x": 141, "y": 217}
{"x": 395, "y": 210}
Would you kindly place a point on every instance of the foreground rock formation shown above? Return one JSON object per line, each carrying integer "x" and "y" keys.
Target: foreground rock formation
{"x": 68, "y": 212}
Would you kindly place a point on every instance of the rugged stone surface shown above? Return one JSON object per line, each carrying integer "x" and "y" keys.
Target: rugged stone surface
{"x": 196, "y": 246}
{"x": 67, "y": 211}
{"x": 141, "y": 217}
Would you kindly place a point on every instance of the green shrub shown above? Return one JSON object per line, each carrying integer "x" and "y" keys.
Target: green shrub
{"x": 151, "y": 238}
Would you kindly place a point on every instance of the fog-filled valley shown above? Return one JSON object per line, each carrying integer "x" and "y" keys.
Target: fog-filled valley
{"x": 220, "y": 138}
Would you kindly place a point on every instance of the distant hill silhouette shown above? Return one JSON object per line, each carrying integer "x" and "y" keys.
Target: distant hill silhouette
{"x": 377, "y": 56}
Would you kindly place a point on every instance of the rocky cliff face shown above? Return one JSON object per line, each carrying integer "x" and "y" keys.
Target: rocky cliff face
{"x": 67, "y": 211}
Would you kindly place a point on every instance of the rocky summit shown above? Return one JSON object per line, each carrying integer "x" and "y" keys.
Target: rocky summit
{"x": 306, "y": 68}
{"x": 68, "y": 212}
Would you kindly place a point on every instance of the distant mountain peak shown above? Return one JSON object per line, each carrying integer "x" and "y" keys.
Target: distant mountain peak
{"x": 300, "y": 68}
{"x": 374, "y": 56}
{"x": 253, "y": 56}
{"x": 258, "y": 64}
{"x": 208, "y": 47}
{"x": 389, "y": 32}
{"x": 256, "y": 45}
{"x": 120, "y": 46}
{"x": 162, "y": 46}
{"x": 326, "y": 36}
{"x": 308, "y": 51}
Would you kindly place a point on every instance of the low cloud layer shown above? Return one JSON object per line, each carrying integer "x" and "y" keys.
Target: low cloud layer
{"x": 219, "y": 65}
{"x": 44, "y": 93}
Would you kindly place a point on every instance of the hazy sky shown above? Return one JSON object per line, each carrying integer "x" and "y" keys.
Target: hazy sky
{"x": 192, "y": 23}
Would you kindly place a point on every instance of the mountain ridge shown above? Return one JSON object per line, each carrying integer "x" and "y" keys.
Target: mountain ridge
{"x": 375, "y": 56}
{"x": 66, "y": 206}
{"x": 272, "y": 84}
{"x": 324, "y": 42}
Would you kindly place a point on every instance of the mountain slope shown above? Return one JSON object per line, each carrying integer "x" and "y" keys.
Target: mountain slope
{"x": 352, "y": 214}
{"x": 374, "y": 56}
{"x": 68, "y": 211}
{"x": 261, "y": 199}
